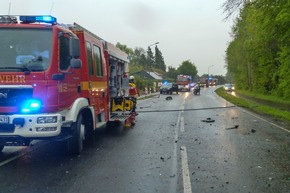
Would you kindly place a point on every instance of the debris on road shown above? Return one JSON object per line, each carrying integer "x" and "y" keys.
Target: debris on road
{"x": 234, "y": 127}
{"x": 172, "y": 176}
{"x": 145, "y": 107}
{"x": 208, "y": 120}
{"x": 168, "y": 98}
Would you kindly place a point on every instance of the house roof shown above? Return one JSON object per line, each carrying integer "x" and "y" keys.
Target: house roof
{"x": 148, "y": 75}
{"x": 155, "y": 75}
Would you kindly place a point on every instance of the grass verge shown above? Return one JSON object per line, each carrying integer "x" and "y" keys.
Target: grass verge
{"x": 276, "y": 114}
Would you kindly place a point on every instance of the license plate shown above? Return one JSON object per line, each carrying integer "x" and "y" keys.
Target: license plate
{"x": 4, "y": 119}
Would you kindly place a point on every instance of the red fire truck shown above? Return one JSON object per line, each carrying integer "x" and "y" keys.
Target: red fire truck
{"x": 212, "y": 81}
{"x": 184, "y": 82}
{"x": 58, "y": 82}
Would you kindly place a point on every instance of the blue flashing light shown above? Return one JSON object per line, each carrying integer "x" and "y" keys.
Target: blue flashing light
{"x": 38, "y": 18}
{"x": 165, "y": 82}
{"x": 30, "y": 106}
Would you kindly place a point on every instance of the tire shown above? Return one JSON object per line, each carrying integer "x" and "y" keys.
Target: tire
{"x": 75, "y": 143}
{"x": 89, "y": 131}
{"x": 1, "y": 147}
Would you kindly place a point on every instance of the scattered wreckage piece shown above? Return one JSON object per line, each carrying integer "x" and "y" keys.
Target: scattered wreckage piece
{"x": 168, "y": 98}
{"x": 208, "y": 120}
{"x": 234, "y": 127}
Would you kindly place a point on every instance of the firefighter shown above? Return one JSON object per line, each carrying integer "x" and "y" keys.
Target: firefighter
{"x": 133, "y": 91}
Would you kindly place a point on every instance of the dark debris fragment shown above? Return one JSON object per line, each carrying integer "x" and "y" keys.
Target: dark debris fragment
{"x": 234, "y": 127}
{"x": 208, "y": 120}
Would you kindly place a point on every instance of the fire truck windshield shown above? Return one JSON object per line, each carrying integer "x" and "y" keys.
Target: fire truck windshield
{"x": 25, "y": 49}
{"x": 182, "y": 79}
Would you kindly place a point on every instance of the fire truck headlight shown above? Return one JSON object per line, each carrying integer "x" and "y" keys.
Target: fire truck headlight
{"x": 30, "y": 106}
{"x": 186, "y": 86}
{"x": 47, "y": 119}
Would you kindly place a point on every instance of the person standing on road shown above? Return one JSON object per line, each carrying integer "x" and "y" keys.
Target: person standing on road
{"x": 133, "y": 91}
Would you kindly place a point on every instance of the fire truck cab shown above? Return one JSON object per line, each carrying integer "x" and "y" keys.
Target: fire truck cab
{"x": 184, "y": 82}
{"x": 57, "y": 82}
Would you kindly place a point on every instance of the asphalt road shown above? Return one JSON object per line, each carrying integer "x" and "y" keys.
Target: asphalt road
{"x": 190, "y": 144}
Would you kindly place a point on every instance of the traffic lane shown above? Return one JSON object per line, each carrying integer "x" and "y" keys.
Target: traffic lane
{"x": 143, "y": 161}
{"x": 10, "y": 153}
{"x": 36, "y": 168}
{"x": 50, "y": 169}
{"x": 236, "y": 153}
{"x": 135, "y": 160}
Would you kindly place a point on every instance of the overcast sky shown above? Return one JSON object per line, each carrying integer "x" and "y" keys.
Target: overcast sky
{"x": 185, "y": 29}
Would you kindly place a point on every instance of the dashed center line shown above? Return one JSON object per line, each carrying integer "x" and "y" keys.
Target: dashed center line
{"x": 182, "y": 124}
{"x": 185, "y": 171}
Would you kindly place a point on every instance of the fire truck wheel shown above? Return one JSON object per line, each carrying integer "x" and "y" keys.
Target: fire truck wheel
{"x": 89, "y": 131}
{"x": 1, "y": 148}
{"x": 75, "y": 143}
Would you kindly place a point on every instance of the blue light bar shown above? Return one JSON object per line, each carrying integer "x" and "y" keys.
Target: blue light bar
{"x": 38, "y": 18}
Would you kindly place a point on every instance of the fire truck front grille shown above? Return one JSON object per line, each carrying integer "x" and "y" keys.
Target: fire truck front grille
{"x": 14, "y": 96}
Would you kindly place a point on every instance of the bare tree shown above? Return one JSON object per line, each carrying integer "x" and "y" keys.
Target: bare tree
{"x": 232, "y": 6}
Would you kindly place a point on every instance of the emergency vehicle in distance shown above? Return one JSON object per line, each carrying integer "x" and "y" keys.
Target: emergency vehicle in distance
{"x": 58, "y": 82}
{"x": 184, "y": 82}
{"x": 203, "y": 82}
{"x": 209, "y": 81}
{"x": 212, "y": 81}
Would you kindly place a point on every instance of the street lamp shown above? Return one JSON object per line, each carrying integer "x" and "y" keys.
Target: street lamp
{"x": 154, "y": 44}
{"x": 148, "y": 49}
{"x": 207, "y": 83}
{"x": 208, "y": 70}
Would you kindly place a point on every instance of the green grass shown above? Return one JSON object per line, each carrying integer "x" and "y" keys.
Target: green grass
{"x": 255, "y": 107}
{"x": 265, "y": 97}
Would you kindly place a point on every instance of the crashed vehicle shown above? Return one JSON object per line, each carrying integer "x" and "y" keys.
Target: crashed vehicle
{"x": 169, "y": 88}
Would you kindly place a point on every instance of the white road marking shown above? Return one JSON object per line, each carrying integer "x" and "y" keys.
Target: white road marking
{"x": 11, "y": 159}
{"x": 257, "y": 116}
{"x": 185, "y": 171}
{"x": 174, "y": 166}
{"x": 182, "y": 124}
{"x": 25, "y": 153}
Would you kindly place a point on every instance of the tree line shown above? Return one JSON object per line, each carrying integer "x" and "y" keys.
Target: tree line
{"x": 258, "y": 57}
{"x": 141, "y": 59}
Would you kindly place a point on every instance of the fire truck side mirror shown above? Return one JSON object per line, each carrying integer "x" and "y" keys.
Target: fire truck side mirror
{"x": 74, "y": 47}
{"x": 75, "y": 63}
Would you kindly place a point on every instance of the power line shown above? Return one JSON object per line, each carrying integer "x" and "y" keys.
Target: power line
{"x": 174, "y": 110}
